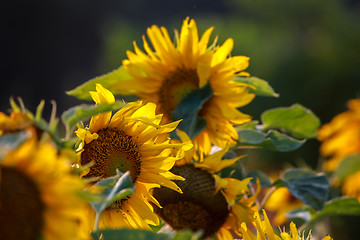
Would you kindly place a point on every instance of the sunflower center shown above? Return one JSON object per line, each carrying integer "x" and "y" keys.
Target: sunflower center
{"x": 200, "y": 207}
{"x": 110, "y": 151}
{"x": 21, "y": 206}
{"x": 175, "y": 87}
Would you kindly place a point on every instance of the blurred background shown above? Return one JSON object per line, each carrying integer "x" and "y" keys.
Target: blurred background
{"x": 309, "y": 52}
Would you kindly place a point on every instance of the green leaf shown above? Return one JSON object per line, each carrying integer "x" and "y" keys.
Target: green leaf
{"x": 107, "y": 81}
{"x": 264, "y": 179}
{"x": 279, "y": 183}
{"x": 303, "y": 212}
{"x": 272, "y": 140}
{"x": 11, "y": 141}
{"x": 281, "y": 142}
{"x": 338, "y": 206}
{"x": 188, "y": 110}
{"x": 295, "y": 120}
{"x": 262, "y": 87}
{"x": 129, "y": 234}
{"x": 82, "y": 112}
{"x": 312, "y": 189}
{"x": 248, "y": 125}
{"x": 251, "y": 137}
{"x": 348, "y": 166}
{"x": 187, "y": 235}
{"x": 113, "y": 189}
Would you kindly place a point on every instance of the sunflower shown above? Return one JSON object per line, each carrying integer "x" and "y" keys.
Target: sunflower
{"x": 265, "y": 231}
{"x": 350, "y": 186}
{"x": 15, "y": 122}
{"x": 209, "y": 203}
{"x": 172, "y": 73}
{"x": 39, "y": 196}
{"x": 341, "y": 137}
{"x": 288, "y": 202}
{"x": 130, "y": 140}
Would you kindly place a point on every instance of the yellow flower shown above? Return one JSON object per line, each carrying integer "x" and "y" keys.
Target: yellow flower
{"x": 130, "y": 140}
{"x": 282, "y": 201}
{"x": 341, "y": 137}
{"x": 351, "y": 186}
{"x": 173, "y": 71}
{"x": 17, "y": 121}
{"x": 209, "y": 203}
{"x": 39, "y": 196}
{"x": 265, "y": 231}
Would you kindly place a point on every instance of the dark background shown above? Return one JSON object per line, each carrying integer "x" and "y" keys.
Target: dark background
{"x": 307, "y": 50}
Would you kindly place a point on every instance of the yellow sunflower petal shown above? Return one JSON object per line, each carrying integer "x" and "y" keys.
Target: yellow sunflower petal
{"x": 44, "y": 179}
{"x": 222, "y": 52}
{"x": 170, "y": 72}
{"x": 134, "y": 141}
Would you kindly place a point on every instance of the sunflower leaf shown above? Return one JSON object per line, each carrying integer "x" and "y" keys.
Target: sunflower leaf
{"x": 188, "y": 110}
{"x": 79, "y": 113}
{"x": 348, "y": 166}
{"x": 272, "y": 140}
{"x": 187, "y": 235}
{"x": 303, "y": 212}
{"x": 260, "y": 86}
{"x": 295, "y": 120}
{"x": 312, "y": 189}
{"x": 129, "y": 234}
{"x": 106, "y": 80}
{"x": 112, "y": 189}
{"x": 281, "y": 142}
{"x": 263, "y": 178}
{"x": 140, "y": 234}
{"x": 338, "y": 206}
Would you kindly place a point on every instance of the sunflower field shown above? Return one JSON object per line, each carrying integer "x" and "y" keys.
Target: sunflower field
{"x": 166, "y": 146}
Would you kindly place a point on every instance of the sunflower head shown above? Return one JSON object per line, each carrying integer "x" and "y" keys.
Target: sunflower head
{"x": 264, "y": 230}
{"x": 200, "y": 207}
{"x": 39, "y": 196}
{"x": 15, "y": 122}
{"x": 341, "y": 137}
{"x": 133, "y": 139}
{"x": 208, "y": 203}
{"x": 288, "y": 202}
{"x": 351, "y": 189}
{"x": 190, "y": 80}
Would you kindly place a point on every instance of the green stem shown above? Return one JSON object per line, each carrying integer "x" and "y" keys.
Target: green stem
{"x": 97, "y": 220}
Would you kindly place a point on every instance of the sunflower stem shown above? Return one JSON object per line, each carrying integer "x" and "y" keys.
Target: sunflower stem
{"x": 97, "y": 219}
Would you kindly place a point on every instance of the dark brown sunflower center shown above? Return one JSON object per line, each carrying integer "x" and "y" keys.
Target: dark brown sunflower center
{"x": 21, "y": 206}
{"x": 110, "y": 151}
{"x": 175, "y": 87}
{"x": 199, "y": 207}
